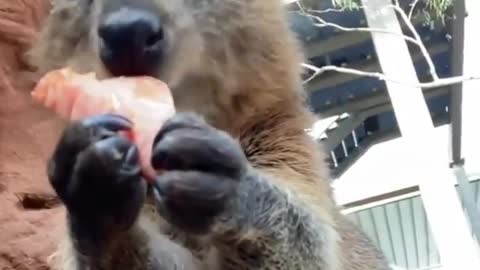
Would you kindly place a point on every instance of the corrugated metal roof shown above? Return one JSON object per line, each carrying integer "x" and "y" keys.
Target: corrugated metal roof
{"x": 402, "y": 231}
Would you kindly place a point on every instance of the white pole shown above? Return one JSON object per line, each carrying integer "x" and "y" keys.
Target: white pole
{"x": 447, "y": 220}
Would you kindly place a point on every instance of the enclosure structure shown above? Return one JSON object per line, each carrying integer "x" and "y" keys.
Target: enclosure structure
{"x": 401, "y": 152}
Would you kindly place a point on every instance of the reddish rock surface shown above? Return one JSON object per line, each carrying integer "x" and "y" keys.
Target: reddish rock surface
{"x": 28, "y": 225}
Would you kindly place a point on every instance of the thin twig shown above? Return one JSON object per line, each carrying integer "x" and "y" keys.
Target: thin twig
{"x": 312, "y": 68}
{"x": 322, "y": 11}
{"x": 417, "y": 37}
{"x": 415, "y": 40}
{"x": 322, "y": 23}
{"x": 437, "y": 82}
{"x": 300, "y": 6}
{"x": 412, "y": 8}
{"x": 448, "y": 81}
{"x": 433, "y": 84}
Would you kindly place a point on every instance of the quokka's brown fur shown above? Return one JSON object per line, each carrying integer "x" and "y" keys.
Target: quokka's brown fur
{"x": 236, "y": 63}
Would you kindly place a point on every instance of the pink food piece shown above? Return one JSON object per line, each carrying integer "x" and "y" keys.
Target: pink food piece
{"x": 146, "y": 101}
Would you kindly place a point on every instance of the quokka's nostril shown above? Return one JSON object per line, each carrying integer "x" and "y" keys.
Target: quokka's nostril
{"x": 132, "y": 42}
{"x": 155, "y": 38}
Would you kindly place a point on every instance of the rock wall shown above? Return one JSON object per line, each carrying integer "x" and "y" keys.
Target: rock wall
{"x": 30, "y": 216}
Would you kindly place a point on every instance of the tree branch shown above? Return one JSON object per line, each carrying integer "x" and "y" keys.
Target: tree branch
{"x": 322, "y": 23}
{"x": 338, "y": 10}
{"x": 412, "y": 8}
{"x": 434, "y": 84}
{"x": 416, "y": 40}
{"x": 417, "y": 37}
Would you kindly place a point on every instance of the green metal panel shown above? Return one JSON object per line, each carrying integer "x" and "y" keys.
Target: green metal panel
{"x": 402, "y": 231}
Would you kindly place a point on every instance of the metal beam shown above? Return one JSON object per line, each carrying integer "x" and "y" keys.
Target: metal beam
{"x": 345, "y": 127}
{"x": 335, "y": 43}
{"x": 458, "y": 30}
{"x": 380, "y": 100}
{"x": 369, "y": 142}
{"x": 440, "y": 198}
{"x": 457, "y": 162}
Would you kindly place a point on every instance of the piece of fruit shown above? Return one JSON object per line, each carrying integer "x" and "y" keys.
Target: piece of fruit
{"x": 145, "y": 101}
